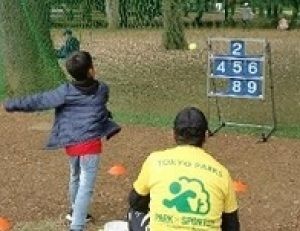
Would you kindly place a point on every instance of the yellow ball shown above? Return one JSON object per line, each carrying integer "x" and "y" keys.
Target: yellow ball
{"x": 192, "y": 46}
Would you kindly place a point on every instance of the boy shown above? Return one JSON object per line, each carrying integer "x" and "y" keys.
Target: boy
{"x": 81, "y": 120}
{"x": 71, "y": 45}
{"x": 189, "y": 189}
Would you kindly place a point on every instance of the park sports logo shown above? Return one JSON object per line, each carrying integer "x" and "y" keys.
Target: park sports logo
{"x": 189, "y": 197}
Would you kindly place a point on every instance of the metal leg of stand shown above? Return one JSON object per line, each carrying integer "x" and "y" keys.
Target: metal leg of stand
{"x": 211, "y": 133}
{"x": 266, "y": 136}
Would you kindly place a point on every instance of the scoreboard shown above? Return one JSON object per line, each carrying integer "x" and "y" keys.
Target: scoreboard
{"x": 238, "y": 68}
{"x": 236, "y": 73}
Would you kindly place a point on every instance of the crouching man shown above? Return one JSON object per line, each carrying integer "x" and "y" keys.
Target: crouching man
{"x": 184, "y": 187}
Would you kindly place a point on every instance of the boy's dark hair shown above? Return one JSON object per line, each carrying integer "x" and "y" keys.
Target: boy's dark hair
{"x": 190, "y": 127}
{"x": 78, "y": 65}
{"x": 67, "y": 32}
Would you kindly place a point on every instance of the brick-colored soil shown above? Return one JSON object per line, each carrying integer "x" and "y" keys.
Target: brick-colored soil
{"x": 33, "y": 182}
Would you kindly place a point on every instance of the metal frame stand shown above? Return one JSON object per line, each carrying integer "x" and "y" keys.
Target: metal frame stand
{"x": 265, "y": 135}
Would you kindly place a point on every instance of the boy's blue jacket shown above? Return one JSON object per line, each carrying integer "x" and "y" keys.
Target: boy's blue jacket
{"x": 80, "y": 112}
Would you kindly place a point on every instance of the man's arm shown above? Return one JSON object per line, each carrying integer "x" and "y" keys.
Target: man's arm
{"x": 230, "y": 221}
{"x": 38, "y": 102}
{"x": 139, "y": 202}
{"x": 139, "y": 197}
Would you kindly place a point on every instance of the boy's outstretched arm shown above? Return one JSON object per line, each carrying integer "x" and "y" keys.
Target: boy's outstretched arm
{"x": 38, "y": 102}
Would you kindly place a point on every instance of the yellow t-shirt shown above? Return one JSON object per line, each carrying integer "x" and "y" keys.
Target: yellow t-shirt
{"x": 189, "y": 190}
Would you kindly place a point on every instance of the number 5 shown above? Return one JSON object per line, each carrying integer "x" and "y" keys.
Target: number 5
{"x": 237, "y": 67}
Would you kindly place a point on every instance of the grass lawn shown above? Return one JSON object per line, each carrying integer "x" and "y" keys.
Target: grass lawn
{"x": 150, "y": 84}
{"x": 2, "y": 82}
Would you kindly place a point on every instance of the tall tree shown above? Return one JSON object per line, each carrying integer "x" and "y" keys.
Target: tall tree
{"x": 269, "y": 8}
{"x": 173, "y": 35}
{"x": 2, "y": 80}
{"x": 87, "y": 8}
{"x": 295, "y": 4}
{"x": 37, "y": 14}
{"x": 123, "y": 11}
{"x": 30, "y": 64}
{"x": 232, "y": 6}
{"x": 226, "y": 9}
{"x": 113, "y": 14}
{"x": 261, "y": 8}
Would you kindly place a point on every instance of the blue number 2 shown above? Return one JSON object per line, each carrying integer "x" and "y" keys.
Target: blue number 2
{"x": 237, "y": 48}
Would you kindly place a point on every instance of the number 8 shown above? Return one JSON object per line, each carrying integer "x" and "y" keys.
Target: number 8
{"x": 236, "y": 86}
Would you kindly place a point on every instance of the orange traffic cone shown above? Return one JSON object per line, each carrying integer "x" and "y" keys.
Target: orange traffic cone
{"x": 4, "y": 224}
{"x": 240, "y": 186}
{"x": 117, "y": 170}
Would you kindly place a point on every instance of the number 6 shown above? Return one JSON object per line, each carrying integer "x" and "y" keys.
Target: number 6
{"x": 252, "y": 68}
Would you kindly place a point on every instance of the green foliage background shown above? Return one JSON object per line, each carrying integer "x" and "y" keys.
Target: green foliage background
{"x": 2, "y": 80}
{"x": 149, "y": 83}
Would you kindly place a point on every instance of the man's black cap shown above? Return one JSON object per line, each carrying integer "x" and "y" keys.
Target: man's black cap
{"x": 191, "y": 117}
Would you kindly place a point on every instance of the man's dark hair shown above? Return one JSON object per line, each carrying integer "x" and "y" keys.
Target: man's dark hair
{"x": 78, "y": 65}
{"x": 190, "y": 127}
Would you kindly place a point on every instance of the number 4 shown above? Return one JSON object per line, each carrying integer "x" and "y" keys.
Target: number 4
{"x": 221, "y": 67}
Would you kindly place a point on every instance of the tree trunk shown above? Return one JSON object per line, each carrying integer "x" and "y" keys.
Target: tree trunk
{"x": 38, "y": 16}
{"x": 232, "y": 4}
{"x": 206, "y": 5}
{"x": 87, "y": 9}
{"x": 173, "y": 35}
{"x": 27, "y": 48}
{"x": 226, "y": 9}
{"x": 112, "y": 12}
{"x": 275, "y": 11}
{"x": 2, "y": 79}
{"x": 295, "y": 5}
{"x": 261, "y": 10}
{"x": 269, "y": 9}
{"x": 124, "y": 13}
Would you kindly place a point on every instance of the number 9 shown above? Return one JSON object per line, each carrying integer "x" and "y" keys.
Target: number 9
{"x": 252, "y": 87}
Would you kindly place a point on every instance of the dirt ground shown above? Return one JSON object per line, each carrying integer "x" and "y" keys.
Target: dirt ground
{"x": 34, "y": 181}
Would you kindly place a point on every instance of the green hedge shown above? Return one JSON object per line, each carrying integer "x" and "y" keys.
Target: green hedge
{"x": 2, "y": 80}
